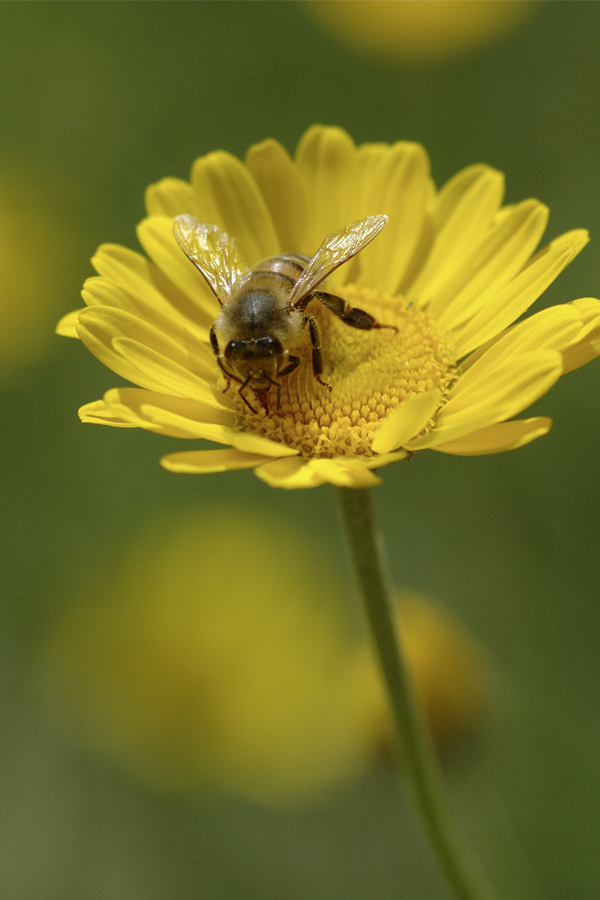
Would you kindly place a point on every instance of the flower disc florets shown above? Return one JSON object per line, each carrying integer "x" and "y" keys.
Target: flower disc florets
{"x": 370, "y": 374}
{"x": 452, "y": 270}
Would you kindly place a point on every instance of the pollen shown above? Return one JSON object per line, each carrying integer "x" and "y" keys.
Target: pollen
{"x": 369, "y": 372}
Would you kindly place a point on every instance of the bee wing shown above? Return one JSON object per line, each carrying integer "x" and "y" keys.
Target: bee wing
{"x": 337, "y": 248}
{"x": 213, "y": 252}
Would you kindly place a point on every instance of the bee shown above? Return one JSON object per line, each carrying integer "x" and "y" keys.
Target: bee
{"x": 263, "y": 311}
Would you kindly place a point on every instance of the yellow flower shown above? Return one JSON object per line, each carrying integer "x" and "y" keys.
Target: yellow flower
{"x": 423, "y": 30}
{"x": 452, "y": 270}
{"x": 190, "y": 672}
{"x": 192, "y": 667}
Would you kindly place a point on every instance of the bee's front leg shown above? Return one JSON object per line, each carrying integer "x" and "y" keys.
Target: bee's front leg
{"x": 215, "y": 349}
{"x": 243, "y": 396}
{"x": 228, "y": 375}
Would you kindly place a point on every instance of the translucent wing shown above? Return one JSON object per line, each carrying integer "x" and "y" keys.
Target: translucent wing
{"x": 213, "y": 252}
{"x": 337, "y": 248}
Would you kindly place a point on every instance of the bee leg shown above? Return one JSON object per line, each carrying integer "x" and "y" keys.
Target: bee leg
{"x": 277, "y": 384}
{"x": 263, "y": 398}
{"x": 214, "y": 342}
{"x": 317, "y": 357}
{"x": 243, "y": 396}
{"x": 215, "y": 348}
{"x": 228, "y": 375}
{"x": 352, "y": 316}
{"x": 294, "y": 362}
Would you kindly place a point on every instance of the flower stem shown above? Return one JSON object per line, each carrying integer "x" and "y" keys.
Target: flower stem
{"x": 454, "y": 854}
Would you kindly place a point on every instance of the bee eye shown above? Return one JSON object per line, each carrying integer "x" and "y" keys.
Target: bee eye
{"x": 254, "y": 349}
{"x": 269, "y": 344}
{"x": 236, "y": 349}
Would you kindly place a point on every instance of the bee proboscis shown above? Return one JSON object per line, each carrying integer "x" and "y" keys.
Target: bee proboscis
{"x": 263, "y": 308}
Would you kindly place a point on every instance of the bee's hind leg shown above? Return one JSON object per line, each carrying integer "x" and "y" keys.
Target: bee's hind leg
{"x": 350, "y": 315}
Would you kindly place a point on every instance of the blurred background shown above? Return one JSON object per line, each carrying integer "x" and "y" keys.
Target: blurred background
{"x": 188, "y": 705}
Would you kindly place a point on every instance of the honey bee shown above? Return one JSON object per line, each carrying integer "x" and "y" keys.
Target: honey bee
{"x": 263, "y": 308}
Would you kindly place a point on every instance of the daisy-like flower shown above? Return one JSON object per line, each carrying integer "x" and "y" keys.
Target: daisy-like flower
{"x": 452, "y": 271}
{"x": 419, "y": 30}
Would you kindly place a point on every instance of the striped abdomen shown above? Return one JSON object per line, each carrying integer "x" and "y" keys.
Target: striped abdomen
{"x": 286, "y": 268}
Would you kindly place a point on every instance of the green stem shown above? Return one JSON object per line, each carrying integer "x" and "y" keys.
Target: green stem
{"x": 455, "y": 856}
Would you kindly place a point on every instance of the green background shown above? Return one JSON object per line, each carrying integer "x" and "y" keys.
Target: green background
{"x": 99, "y": 99}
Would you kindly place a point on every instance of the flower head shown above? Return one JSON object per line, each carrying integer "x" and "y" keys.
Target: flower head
{"x": 190, "y": 673}
{"x": 451, "y": 272}
{"x": 189, "y": 679}
{"x": 419, "y": 30}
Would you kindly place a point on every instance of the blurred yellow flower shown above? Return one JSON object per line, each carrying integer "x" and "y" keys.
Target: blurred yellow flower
{"x": 197, "y": 666}
{"x": 452, "y": 675}
{"x": 451, "y": 272}
{"x": 219, "y": 655}
{"x": 420, "y": 30}
{"x": 32, "y": 254}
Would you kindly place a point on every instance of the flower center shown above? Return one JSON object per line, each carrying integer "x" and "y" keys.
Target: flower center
{"x": 370, "y": 373}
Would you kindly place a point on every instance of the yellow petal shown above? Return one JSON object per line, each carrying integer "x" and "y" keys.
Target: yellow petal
{"x": 170, "y": 197}
{"x": 400, "y": 187}
{"x": 327, "y": 163}
{"x": 371, "y": 159}
{"x": 502, "y": 394}
{"x": 498, "y": 438}
{"x": 578, "y": 237}
{"x": 583, "y": 352}
{"x": 513, "y": 373}
{"x": 514, "y": 299}
{"x": 406, "y": 421}
{"x": 498, "y": 258}
{"x": 175, "y": 416}
{"x": 290, "y": 474}
{"x": 158, "y": 372}
{"x": 383, "y": 459}
{"x": 99, "y": 342}
{"x": 142, "y": 280}
{"x": 344, "y": 474}
{"x": 182, "y": 348}
{"x": 255, "y": 443}
{"x": 156, "y": 237}
{"x": 205, "y": 461}
{"x": 463, "y": 211}
{"x": 278, "y": 179}
{"x": 98, "y": 413}
{"x": 227, "y": 196}
{"x": 586, "y": 345}
{"x": 152, "y": 307}
{"x": 67, "y": 326}
{"x": 550, "y": 329}
{"x": 589, "y": 307}
{"x": 143, "y": 366}
{"x": 293, "y": 474}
